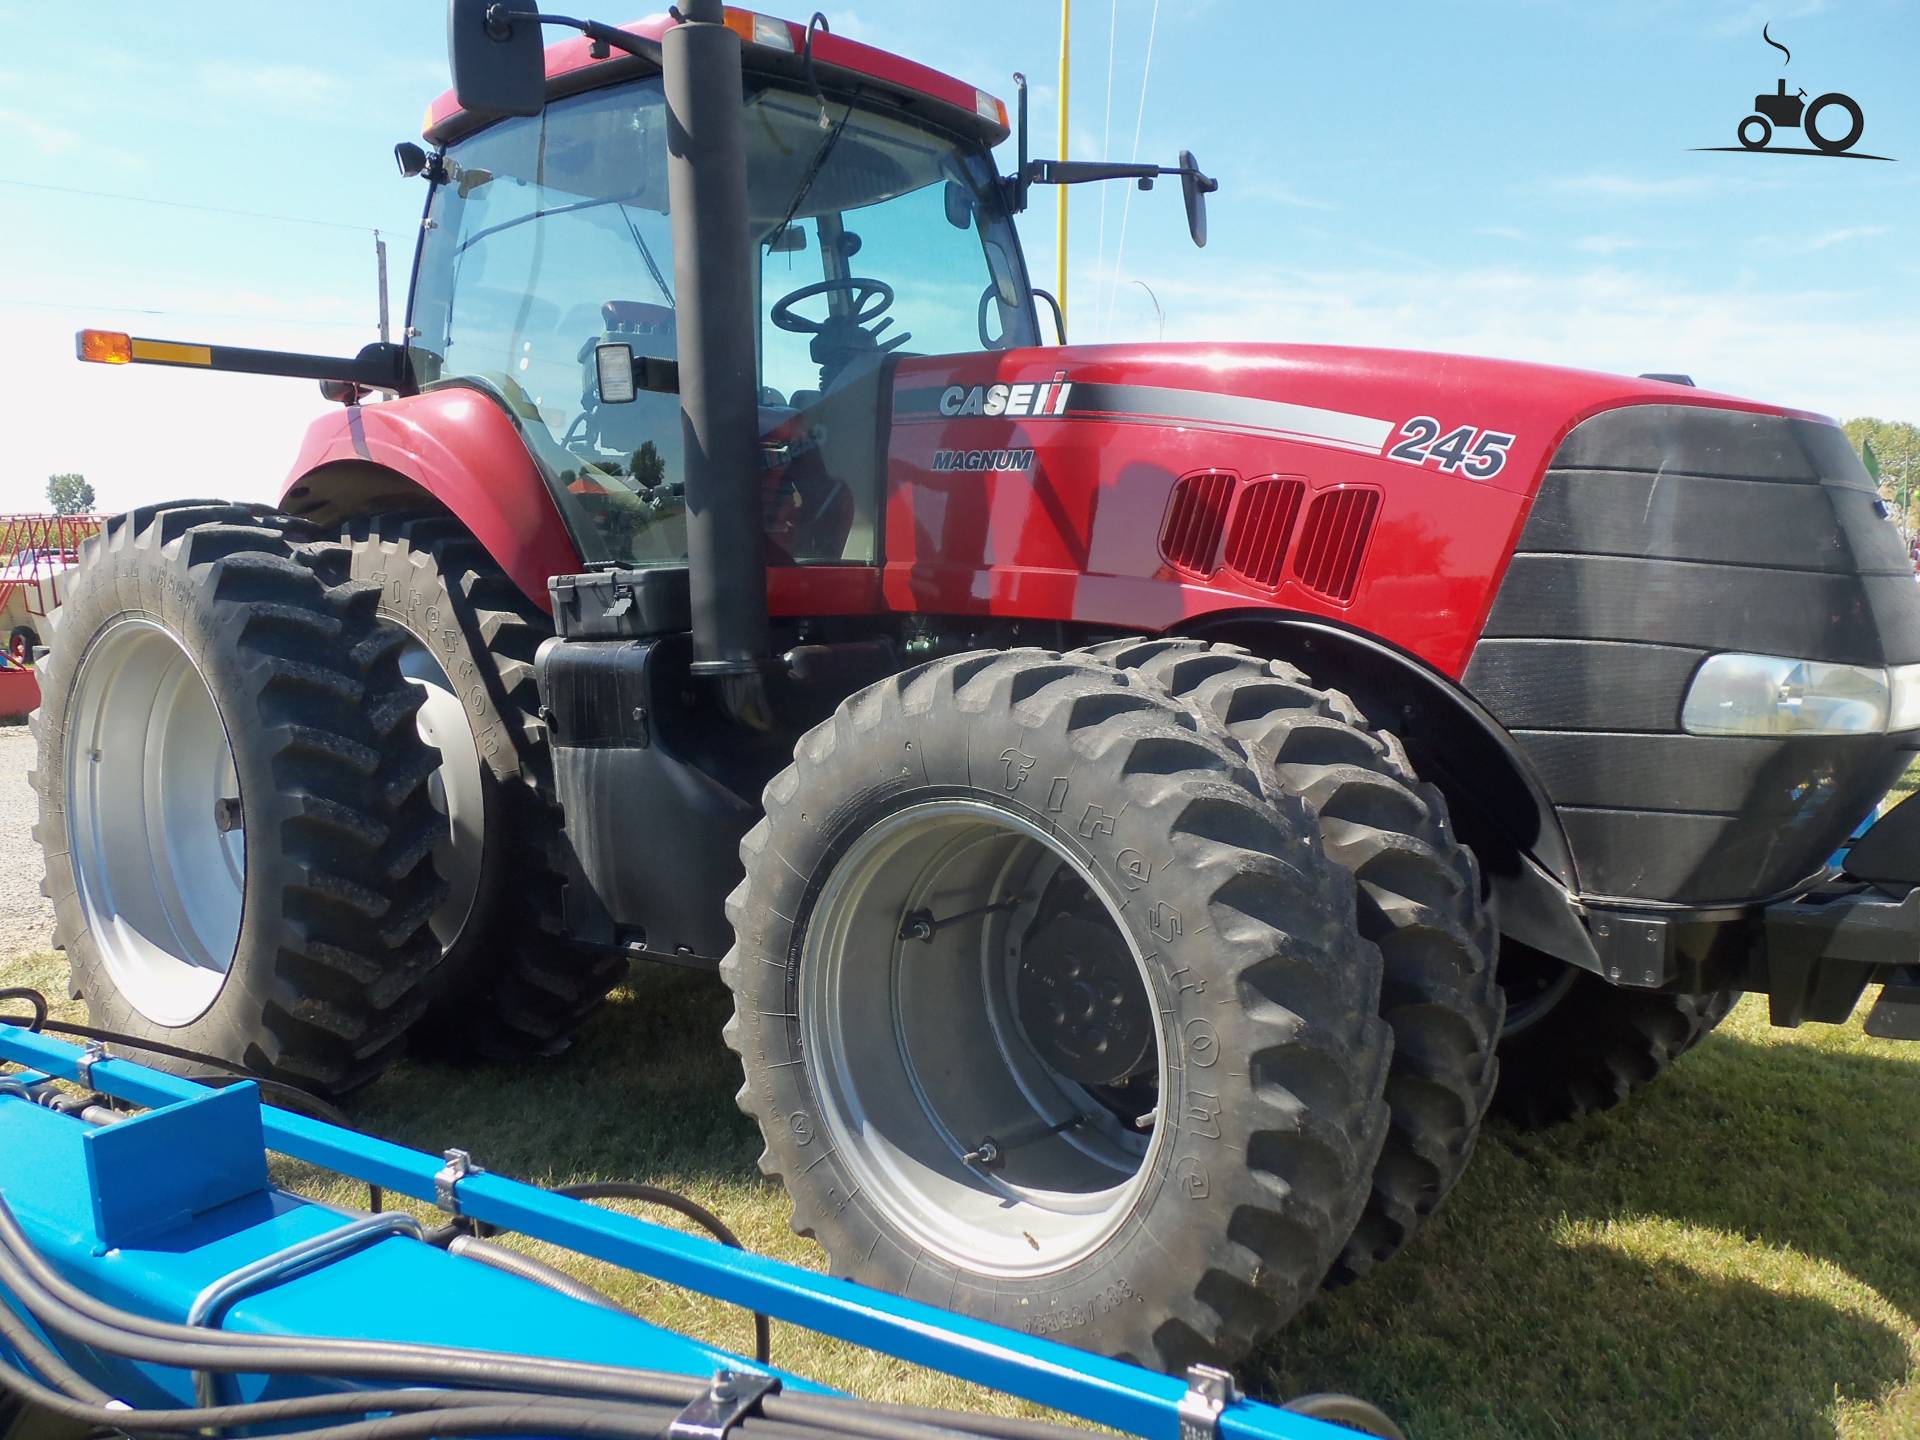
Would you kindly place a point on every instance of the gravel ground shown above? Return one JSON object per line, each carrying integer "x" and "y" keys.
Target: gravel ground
{"x": 26, "y": 919}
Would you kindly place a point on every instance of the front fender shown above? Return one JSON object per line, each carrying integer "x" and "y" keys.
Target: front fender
{"x": 454, "y": 446}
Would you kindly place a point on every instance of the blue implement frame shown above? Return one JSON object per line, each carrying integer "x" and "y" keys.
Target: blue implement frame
{"x": 1046, "y": 1372}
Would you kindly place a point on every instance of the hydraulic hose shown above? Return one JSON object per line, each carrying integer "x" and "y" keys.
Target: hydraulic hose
{"x": 475, "y": 1380}
{"x": 526, "y": 1267}
{"x": 680, "y": 1205}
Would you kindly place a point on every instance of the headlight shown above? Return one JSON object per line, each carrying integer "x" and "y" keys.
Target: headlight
{"x": 1771, "y": 695}
{"x": 1906, "y": 697}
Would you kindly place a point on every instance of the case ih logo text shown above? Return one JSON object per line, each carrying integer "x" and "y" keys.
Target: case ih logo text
{"x": 986, "y": 461}
{"x": 1019, "y": 400}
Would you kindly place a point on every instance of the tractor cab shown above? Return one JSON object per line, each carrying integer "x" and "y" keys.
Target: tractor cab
{"x": 545, "y": 277}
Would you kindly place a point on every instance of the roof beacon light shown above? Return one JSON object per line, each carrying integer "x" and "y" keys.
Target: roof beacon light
{"x": 766, "y": 30}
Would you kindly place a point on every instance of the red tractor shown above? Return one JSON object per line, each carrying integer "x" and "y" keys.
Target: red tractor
{"x": 1148, "y": 801}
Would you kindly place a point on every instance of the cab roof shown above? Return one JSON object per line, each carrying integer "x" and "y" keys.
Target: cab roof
{"x": 772, "y": 47}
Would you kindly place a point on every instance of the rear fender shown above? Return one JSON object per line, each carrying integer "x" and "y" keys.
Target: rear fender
{"x": 453, "y": 448}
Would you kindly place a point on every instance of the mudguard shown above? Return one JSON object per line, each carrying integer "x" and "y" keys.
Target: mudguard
{"x": 453, "y": 446}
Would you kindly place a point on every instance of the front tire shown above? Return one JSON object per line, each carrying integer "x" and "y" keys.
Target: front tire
{"x": 1417, "y": 895}
{"x": 233, "y": 798}
{"x": 1124, "y": 1088}
{"x": 1575, "y": 1044}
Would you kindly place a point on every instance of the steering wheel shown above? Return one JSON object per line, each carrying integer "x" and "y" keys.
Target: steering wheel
{"x": 865, "y": 291}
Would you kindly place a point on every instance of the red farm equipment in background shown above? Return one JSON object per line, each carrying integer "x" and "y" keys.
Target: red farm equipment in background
{"x": 36, "y": 551}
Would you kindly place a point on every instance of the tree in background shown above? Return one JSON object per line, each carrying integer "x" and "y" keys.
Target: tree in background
{"x": 649, "y": 469}
{"x": 1896, "y": 446}
{"x": 69, "y": 494}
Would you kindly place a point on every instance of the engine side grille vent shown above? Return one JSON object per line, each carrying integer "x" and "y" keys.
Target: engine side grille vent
{"x": 1333, "y": 542}
{"x": 1196, "y": 519}
{"x": 1263, "y": 520}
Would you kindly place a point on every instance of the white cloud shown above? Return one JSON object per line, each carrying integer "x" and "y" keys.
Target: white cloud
{"x": 1606, "y": 185}
{"x": 45, "y": 138}
{"x": 1502, "y": 232}
{"x": 1276, "y": 194}
{"x": 1824, "y": 240}
{"x": 1605, "y": 244}
{"x": 285, "y": 86}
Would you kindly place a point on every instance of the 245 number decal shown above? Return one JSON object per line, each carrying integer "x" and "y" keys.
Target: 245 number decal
{"x": 1479, "y": 454}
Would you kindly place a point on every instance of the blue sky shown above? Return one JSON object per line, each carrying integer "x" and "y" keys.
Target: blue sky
{"x": 1495, "y": 177}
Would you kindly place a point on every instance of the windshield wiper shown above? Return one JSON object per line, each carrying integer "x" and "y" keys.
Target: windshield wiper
{"x": 814, "y": 167}
{"x": 653, "y": 266}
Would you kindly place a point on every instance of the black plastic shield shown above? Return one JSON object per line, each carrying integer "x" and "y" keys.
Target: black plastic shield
{"x": 498, "y": 63}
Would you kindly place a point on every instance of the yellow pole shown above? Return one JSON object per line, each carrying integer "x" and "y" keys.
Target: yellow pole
{"x": 1060, "y": 244}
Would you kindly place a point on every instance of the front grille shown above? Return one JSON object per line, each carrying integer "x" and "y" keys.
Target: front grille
{"x": 1661, "y": 534}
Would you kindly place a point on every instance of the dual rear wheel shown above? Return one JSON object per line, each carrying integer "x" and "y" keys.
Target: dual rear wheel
{"x": 1059, "y": 994}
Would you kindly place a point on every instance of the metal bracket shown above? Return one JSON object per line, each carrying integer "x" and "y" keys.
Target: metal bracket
{"x": 92, "y": 1053}
{"x": 729, "y": 1398}
{"x": 446, "y": 1184}
{"x": 1209, "y": 1391}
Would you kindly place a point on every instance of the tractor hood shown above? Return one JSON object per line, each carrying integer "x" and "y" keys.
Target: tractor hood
{"x": 1145, "y": 485}
{"x": 1356, "y": 401}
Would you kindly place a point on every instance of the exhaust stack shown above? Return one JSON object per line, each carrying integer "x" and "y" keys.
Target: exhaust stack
{"x": 719, "y": 398}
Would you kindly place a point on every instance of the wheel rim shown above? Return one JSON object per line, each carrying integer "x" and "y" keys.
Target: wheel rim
{"x": 1535, "y": 984}
{"x": 455, "y": 788}
{"x": 922, "y": 1050}
{"x": 156, "y": 822}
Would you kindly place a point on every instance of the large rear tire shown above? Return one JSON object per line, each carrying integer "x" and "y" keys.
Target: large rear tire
{"x": 233, "y": 798}
{"x": 513, "y": 984}
{"x": 1049, "y": 1016}
{"x": 1418, "y": 898}
{"x": 1575, "y": 1044}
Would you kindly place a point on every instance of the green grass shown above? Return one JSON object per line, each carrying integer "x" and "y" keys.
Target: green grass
{"x": 1737, "y": 1253}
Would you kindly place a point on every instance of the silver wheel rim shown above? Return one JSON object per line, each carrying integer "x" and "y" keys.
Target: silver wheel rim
{"x": 916, "y": 1054}
{"x": 455, "y": 788}
{"x": 1532, "y": 998}
{"x": 155, "y": 821}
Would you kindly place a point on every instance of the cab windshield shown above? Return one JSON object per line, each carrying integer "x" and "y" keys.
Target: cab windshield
{"x": 874, "y": 237}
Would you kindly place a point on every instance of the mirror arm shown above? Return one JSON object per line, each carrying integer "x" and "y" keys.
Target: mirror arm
{"x": 1082, "y": 172}
{"x": 500, "y": 18}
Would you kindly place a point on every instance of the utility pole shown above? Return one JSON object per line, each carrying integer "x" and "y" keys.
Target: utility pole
{"x": 380, "y": 264}
{"x": 1060, "y": 244}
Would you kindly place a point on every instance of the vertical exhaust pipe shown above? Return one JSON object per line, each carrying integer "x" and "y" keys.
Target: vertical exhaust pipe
{"x": 719, "y": 394}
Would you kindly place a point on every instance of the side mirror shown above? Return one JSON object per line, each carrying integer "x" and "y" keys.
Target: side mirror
{"x": 499, "y": 65}
{"x": 1195, "y": 187}
{"x": 959, "y": 201}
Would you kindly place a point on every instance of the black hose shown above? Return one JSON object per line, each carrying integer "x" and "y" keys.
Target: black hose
{"x": 464, "y": 1371}
{"x": 680, "y": 1205}
{"x": 33, "y": 998}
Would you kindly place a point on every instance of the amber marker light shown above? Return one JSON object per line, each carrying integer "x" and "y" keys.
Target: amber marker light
{"x": 104, "y": 347}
